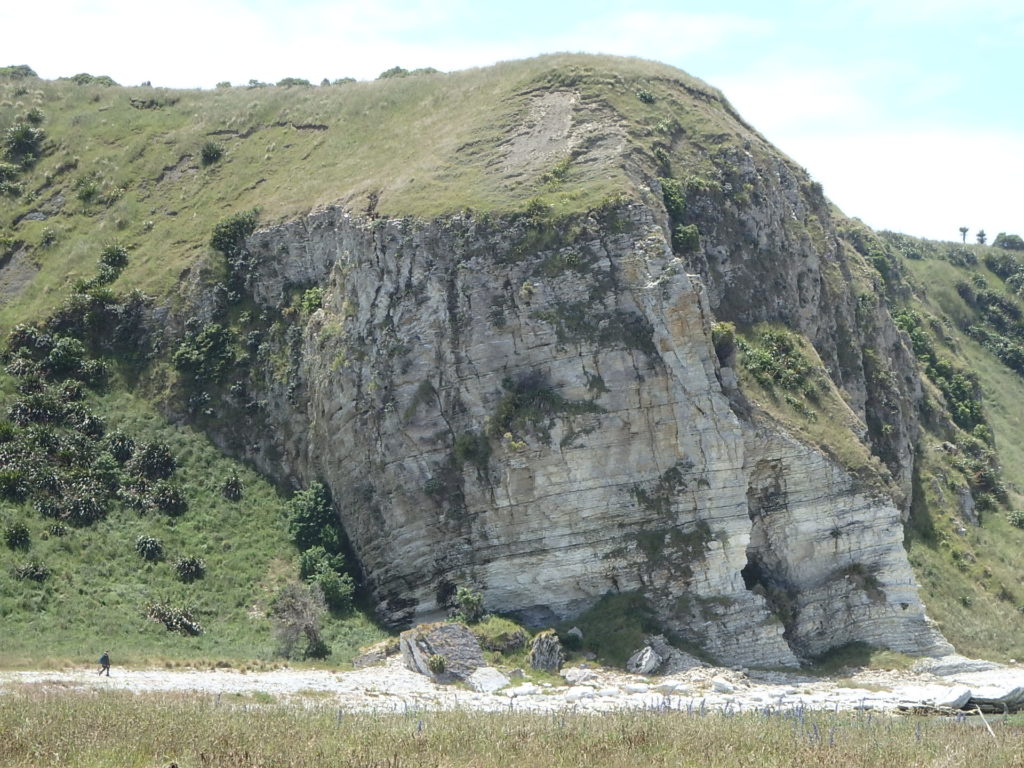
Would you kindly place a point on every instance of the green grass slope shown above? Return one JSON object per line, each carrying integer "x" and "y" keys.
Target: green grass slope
{"x": 126, "y": 165}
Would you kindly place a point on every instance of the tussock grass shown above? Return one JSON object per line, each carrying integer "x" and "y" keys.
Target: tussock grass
{"x": 117, "y": 729}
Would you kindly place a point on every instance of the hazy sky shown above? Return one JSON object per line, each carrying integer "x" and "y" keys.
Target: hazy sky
{"x": 910, "y": 112}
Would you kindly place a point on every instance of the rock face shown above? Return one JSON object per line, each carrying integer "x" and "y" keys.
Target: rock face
{"x": 658, "y": 656}
{"x": 537, "y": 410}
{"x": 546, "y": 652}
{"x": 452, "y": 647}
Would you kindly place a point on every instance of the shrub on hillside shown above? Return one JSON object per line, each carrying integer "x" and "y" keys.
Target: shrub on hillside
{"x": 33, "y": 570}
{"x": 312, "y": 520}
{"x": 22, "y": 143}
{"x": 232, "y": 489}
{"x": 297, "y": 612}
{"x": 153, "y": 461}
{"x": 189, "y": 569}
{"x": 13, "y": 485}
{"x": 229, "y": 233}
{"x": 318, "y": 566}
{"x": 149, "y": 548}
{"x": 211, "y": 152}
{"x": 120, "y": 445}
{"x": 167, "y": 498}
{"x": 16, "y": 536}
{"x": 114, "y": 256}
{"x": 1009, "y": 242}
{"x": 17, "y": 72}
{"x": 175, "y": 619}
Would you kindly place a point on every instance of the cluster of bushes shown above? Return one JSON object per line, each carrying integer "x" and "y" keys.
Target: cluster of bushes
{"x": 229, "y": 240}
{"x": 980, "y": 466}
{"x": 54, "y": 451}
{"x": 317, "y": 532}
{"x": 1000, "y": 328}
{"x": 205, "y": 353}
{"x": 1009, "y": 242}
{"x": 187, "y": 569}
{"x": 21, "y": 145}
{"x": 775, "y": 358}
{"x": 959, "y": 386}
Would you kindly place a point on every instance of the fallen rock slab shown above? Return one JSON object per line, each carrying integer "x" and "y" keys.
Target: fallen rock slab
{"x": 546, "y": 652}
{"x": 997, "y": 700}
{"x": 954, "y": 664}
{"x": 487, "y": 680}
{"x": 444, "y": 652}
{"x": 577, "y": 675}
{"x": 644, "y": 662}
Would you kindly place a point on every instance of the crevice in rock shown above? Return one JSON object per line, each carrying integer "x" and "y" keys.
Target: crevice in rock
{"x": 765, "y": 571}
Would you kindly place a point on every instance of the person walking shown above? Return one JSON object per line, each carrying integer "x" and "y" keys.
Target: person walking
{"x": 105, "y": 663}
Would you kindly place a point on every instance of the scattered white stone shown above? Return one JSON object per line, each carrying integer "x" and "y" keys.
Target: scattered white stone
{"x": 608, "y": 692}
{"x": 487, "y": 680}
{"x": 666, "y": 688}
{"x": 526, "y": 689}
{"x": 578, "y": 692}
{"x": 577, "y": 675}
{"x": 944, "y": 666}
{"x": 636, "y": 687}
{"x": 721, "y": 685}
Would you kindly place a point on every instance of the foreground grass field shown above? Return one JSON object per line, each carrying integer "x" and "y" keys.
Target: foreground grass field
{"x": 129, "y": 730}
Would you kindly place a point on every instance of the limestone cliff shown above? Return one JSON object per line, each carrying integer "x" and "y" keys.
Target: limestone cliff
{"x": 533, "y": 406}
{"x": 550, "y": 425}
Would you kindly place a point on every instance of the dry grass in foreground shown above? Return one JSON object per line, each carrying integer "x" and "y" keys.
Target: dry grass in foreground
{"x": 121, "y": 730}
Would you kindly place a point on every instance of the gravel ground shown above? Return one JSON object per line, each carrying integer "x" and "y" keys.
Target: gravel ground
{"x": 392, "y": 688}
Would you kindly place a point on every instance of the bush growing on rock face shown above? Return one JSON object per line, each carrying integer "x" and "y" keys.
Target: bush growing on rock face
{"x": 470, "y": 605}
{"x": 437, "y": 664}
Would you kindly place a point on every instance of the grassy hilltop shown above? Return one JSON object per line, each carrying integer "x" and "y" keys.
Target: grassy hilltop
{"x": 150, "y": 172}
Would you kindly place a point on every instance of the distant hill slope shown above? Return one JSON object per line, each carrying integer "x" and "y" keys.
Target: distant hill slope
{"x": 553, "y": 328}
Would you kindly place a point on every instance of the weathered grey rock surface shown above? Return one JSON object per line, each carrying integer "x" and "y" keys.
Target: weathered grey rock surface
{"x": 454, "y": 644}
{"x": 546, "y": 652}
{"x": 538, "y": 412}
